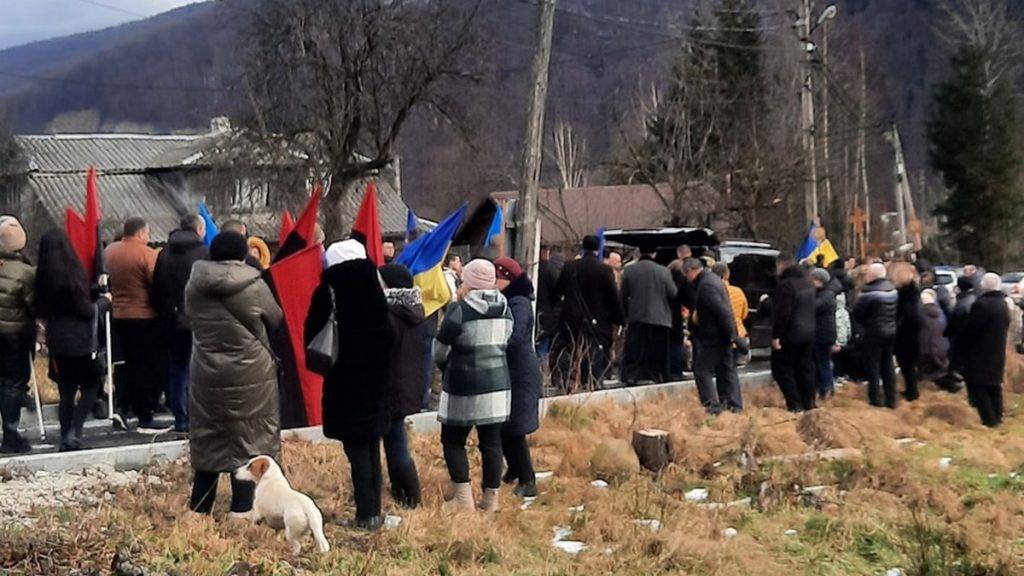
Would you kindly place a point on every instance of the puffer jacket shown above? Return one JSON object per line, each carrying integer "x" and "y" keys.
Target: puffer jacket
{"x": 825, "y": 317}
{"x": 408, "y": 358}
{"x": 358, "y": 400}
{"x": 875, "y": 310}
{"x": 471, "y": 352}
{"x": 17, "y": 289}
{"x": 712, "y": 322}
{"x": 233, "y": 403}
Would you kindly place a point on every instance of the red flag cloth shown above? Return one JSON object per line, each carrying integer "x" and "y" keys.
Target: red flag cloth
{"x": 83, "y": 232}
{"x": 295, "y": 279}
{"x": 287, "y": 225}
{"x": 368, "y": 224}
{"x": 306, "y": 224}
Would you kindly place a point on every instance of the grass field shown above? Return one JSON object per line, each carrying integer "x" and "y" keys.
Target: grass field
{"x": 893, "y": 506}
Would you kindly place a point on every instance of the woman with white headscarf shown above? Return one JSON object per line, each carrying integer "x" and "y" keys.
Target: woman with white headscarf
{"x": 357, "y": 394}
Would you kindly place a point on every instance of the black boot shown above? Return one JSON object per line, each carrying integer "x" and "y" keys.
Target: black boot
{"x": 405, "y": 486}
{"x": 10, "y": 413}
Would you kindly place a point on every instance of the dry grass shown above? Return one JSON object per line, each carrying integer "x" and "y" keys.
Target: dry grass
{"x": 893, "y": 508}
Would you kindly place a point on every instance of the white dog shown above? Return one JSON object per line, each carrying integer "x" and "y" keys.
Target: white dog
{"x": 281, "y": 506}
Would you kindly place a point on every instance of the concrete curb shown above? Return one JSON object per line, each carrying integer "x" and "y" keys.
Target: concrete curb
{"x": 139, "y": 456}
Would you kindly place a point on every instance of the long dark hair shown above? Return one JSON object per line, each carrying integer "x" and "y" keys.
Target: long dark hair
{"x": 61, "y": 286}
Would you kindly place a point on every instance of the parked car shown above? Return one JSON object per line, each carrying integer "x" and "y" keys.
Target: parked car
{"x": 1011, "y": 283}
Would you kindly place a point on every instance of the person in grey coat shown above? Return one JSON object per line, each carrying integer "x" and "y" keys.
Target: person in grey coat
{"x": 476, "y": 392}
{"x": 233, "y": 410}
{"x": 524, "y": 372}
{"x": 647, "y": 291}
{"x": 714, "y": 334}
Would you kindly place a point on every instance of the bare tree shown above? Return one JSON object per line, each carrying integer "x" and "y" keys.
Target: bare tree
{"x": 337, "y": 80}
{"x": 569, "y": 152}
{"x": 988, "y": 26}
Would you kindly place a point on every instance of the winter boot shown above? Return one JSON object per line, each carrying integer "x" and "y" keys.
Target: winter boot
{"x": 526, "y": 490}
{"x": 461, "y": 499}
{"x": 489, "y": 502}
{"x": 405, "y": 486}
{"x": 10, "y": 413}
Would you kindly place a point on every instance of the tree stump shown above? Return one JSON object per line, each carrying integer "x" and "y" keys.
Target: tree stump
{"x": 654, "y": 448}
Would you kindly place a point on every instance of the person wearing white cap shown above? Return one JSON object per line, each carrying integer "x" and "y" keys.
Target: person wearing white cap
{"x": 17, "y": 330}
{"x": 984, "y": 336}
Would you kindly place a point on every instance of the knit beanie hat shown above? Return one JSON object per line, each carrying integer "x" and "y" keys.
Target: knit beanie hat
{"x": 344, "y": 251}
{"x": 821, "y": 275}
{"x": 12, "y": 235}
{"x": 507, "y": 268}
{"x": 591, "y": 243}
{"x": 479, "y": 274}
{"x": 228, "y": 246}
{"x": 396, "y": 276}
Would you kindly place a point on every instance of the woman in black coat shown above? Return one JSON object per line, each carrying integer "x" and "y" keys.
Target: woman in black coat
{"x": 524, "y": 370}
{"x": 357, "y": 397}
{"x": 73, "y": 316}
{"x": 410, "y": 328}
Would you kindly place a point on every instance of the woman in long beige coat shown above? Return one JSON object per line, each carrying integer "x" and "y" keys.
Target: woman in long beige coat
{"x": 234, "y": 399}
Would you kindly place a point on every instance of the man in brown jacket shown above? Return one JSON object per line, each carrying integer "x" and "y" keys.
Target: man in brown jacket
{"x": 17, "y": 330}
{"x": 130, "y": 263}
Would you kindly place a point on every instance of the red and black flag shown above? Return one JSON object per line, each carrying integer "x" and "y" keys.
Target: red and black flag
{"x": 84, "y": 231}
{"x": 367, "y": 226}
{"x": 293, "y": 276}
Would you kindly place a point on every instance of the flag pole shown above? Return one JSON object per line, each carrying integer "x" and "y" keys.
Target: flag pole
{"x": 110, "y": 370}
{"x": 39, "y": 402}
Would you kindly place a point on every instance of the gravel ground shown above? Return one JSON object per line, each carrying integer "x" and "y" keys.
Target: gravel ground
{"x": 20, "y": 495}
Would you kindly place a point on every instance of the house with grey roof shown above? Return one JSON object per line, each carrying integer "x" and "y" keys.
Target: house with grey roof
{"x": 162, "y": 177}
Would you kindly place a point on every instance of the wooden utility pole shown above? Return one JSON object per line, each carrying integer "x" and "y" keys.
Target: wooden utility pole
{"x": 904, "y": 201}
{"x": 826, "y": 166}
{"x": 529, "y": 181}
{"x": 862, "y": 146}
{"x": 807, "y": 118}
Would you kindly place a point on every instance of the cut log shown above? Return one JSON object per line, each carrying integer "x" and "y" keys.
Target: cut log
{"x": 654, "y": 448}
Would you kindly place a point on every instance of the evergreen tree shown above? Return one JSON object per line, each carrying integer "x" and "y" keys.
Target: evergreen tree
{"x": 972, "y": 137}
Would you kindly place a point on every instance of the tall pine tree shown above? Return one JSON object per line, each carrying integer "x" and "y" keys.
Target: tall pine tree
{"x": 972, "y": 137}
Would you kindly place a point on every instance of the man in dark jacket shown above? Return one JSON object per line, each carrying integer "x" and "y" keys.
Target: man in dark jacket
{"x": 173, "y": 268}
{"x": 549, "y": 307}
{"x": 824, "y": 330}
{"x": 793, "y": 338}
{"x": 714, "y": 332}
{"x": 591, "y": 313}
{"x": 875, "y": 314}
{"x": 647, "y": 290}
{"x": 984, "y": 350}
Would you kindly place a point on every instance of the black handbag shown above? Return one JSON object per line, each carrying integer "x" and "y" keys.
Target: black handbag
{"x": 322, "y": 351}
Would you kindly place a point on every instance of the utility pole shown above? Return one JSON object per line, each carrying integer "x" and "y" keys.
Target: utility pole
{"x": 807, "y": 117}
{"x": 826, "y": 164}
{"x": 862, "y": 146}
{"x": 529, "y": 181}
{"x": 904, "y": 201}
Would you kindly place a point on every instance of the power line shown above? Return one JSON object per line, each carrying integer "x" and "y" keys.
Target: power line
{"x": 114, "y": 8}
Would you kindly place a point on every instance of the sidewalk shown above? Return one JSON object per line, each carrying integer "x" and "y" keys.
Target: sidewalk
{"x": 133, "y": 451}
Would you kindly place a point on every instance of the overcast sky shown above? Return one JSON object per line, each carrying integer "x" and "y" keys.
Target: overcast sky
{"x": 23, "y": 21}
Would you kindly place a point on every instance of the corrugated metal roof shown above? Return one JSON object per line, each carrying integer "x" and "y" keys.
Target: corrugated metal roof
{"x": 391, "y": 210}
{"x": 121, "y": 196}
{"x": 67, "y": 153}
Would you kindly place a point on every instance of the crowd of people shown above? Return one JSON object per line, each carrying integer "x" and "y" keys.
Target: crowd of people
{"x": 193, "y": 326}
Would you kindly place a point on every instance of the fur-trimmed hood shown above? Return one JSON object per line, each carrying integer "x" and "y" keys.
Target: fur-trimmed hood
{"x": 406, "y": 304}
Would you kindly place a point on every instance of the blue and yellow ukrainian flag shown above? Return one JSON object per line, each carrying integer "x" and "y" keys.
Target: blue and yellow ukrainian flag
{"x": 816, "y": 244}
{"x": 425, "y": 259}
